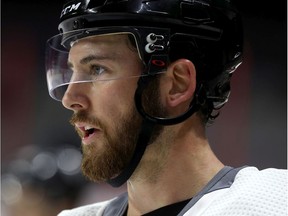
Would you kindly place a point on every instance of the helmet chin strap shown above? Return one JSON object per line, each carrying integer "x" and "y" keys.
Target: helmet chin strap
{"x": 147, "y": 128}
{"x": 145, "y": 133}
{"x": 142, "y": 142}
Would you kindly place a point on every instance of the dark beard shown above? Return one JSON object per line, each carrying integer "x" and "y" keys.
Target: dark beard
{"x": 101, "y": 163}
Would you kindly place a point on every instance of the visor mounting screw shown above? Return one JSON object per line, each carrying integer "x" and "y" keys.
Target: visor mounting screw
{"x": 152, "y": 38}
{"x": 150, "y": 48}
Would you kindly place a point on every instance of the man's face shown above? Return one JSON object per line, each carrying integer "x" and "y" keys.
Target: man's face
{"x": 104, "y": 113}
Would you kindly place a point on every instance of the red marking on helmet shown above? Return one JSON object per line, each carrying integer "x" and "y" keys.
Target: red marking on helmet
{"x": 157, "y": 62}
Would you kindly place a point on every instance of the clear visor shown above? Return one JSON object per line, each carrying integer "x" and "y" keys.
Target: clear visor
{"x": 61, "y": 71}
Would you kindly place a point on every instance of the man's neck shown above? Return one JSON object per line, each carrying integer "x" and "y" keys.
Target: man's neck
{"x": 173, "y": 176}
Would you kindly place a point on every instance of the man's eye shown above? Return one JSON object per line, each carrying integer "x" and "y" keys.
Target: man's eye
{"x": 96, "y": 70}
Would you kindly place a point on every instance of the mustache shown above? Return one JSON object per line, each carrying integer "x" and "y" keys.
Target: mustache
{"x": 83, "y": 116}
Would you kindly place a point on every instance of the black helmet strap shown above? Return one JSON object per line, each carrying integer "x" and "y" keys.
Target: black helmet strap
{"x": 194, "y": 106}
{"x": 142, "y": 142}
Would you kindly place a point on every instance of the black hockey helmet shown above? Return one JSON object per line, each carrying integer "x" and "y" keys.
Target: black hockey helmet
{"x": 208, "y": 32}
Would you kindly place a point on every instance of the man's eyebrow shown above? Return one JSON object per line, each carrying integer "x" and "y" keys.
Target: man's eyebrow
{"x": 90, "y": 58}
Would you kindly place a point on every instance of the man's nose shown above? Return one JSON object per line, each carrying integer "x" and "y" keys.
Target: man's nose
{"x": 75, "y": 97}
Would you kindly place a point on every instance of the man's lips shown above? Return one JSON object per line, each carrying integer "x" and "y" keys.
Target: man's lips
{"x": 86, "y": 131}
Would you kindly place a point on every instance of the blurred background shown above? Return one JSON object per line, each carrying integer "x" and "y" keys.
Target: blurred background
{"x": 40, "y": 151}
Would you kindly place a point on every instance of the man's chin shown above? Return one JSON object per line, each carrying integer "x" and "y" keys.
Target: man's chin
{"x": 100, "y": 169}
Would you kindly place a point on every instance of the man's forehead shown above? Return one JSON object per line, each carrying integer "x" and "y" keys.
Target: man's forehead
{"x": 112, "y": 46}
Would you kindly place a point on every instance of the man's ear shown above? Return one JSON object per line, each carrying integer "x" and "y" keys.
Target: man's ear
{"x": 183, "y": 82}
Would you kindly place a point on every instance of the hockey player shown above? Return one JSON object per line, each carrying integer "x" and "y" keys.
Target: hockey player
{"x": 143, "y": 79}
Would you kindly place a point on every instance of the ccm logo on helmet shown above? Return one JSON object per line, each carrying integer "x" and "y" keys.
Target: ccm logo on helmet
{"x": 70, "y": 8}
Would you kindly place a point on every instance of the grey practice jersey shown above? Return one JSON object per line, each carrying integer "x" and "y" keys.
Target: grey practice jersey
{"x": 232, "y": 192}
